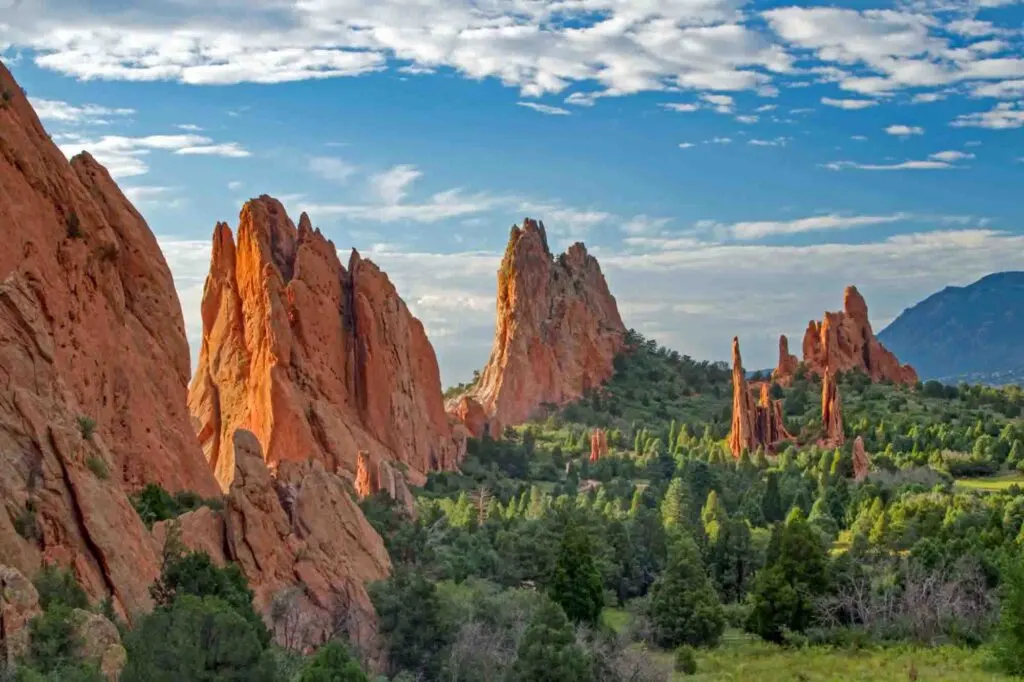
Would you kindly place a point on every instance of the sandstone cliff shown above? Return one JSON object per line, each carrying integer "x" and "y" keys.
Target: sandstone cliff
{"x": 756, "y": 423}
{"x": 844, "y": 341}
{"x": 317, "y": 360}
{"x": 93, "y": 368}
{"x": 558, "y": 328}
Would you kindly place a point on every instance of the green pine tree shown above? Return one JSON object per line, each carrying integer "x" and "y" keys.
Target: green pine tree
{"x": 684, "y": 607}
{"x": 548, "y": 651}
{"x": 576, "y": 582}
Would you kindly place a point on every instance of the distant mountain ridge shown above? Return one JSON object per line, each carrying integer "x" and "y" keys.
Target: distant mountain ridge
{"x": 973, "y": 333}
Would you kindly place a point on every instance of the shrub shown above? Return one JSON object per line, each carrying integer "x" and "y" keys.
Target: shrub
{"x": 332, "y": 663}
{"x": 74, "y": 226}
{"x": 57, "y": 587}
{"x": 1009, "y": 642}
{"x": 195, "y": 574}
{"x": 98, "y": 466}
{"x": 86, "y": 426}
{"x": 6, "y": 96}
{"x": 154, "y": 504}
{"x": 26, "y": 524}
{"x": 685, "y": 660}
{"x": 53, "y": 641}
{"x": 197, "y": 638}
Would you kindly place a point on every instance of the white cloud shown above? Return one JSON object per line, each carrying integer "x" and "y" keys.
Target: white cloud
{"x": 581, "y": 99}
{"x": 974, "y": 28}
{"x": 766, "y": 107}
{"x": 774, "y": 142}
{"x": 952, "y": 156}
{"x": 1004, "y": 116}
{"x": 832, "y": 221}
{"x": 904, "y": 131}
{"x": 1010, "y": 89}
{"x": 686, "y": 145}
{"x": 747, "y": 119}
{"x": 927, "y": 97}
{"x": 852, "y": 104}
{"x": 229, "y": 149}
{"x": 332, "y": 169}
{"x": 235, "y": 185}
{"x": 682, "y": 107}
{"x": 718, "y": 140}
{"x": 937, "y": 161}
{"x": 859, "y": 138}
{"x": 125, "y": 156}
{"x": 88, "y": 114}
{"x": 643, "y": 224}
{"x": 545, "y": 108}
{"x": 723, "y": 104}
{"x": 152, "y": 196}
{"x": 392, "y": 185}
{"x": 189, "y": 127}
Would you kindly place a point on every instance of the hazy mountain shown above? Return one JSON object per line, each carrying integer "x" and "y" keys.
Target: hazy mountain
{"x": 973, "y": 333}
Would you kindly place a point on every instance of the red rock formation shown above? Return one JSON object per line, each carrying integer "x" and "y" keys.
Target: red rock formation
{"x": 844, "y": 341}
{"x": 19, "y": 604}
{"x": 755, "y": 422}
{"x": 301, "y": 541}
{"x": 861, "y": 461}
{"x": 558, "y": 328}
{"x": 831, "y": 412}
{"x": 468, "y": 411}
{"x": 317, "y": 360}
{"x": 598, "y": 444}
{"x": 93, "y": 368}
{"x": 788, "y": 363}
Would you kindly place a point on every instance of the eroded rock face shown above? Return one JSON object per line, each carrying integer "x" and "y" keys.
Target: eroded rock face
{"x": 756, "y": 422}
{"x": 598, "y": 444}
{"x": 831, "y": 412}
{"x": 843, "y": 341}
{"x": 558, "y": 328}
{"x": 100, "y": 643}
{"x": 19, "y": 604}
{"x": 861, "y": 461}
{"x": 318, "y": 360}
{"x": 302, "y": 537}
{"x": 93, "y": 368}
{"x": 467, "y": 411}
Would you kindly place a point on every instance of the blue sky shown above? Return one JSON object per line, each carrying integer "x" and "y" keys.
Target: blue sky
{"x": 732, "y": 164}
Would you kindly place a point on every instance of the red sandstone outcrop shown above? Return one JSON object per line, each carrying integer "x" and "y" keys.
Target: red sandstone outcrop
{"x": 19, "y": 604}
{"x": 861, "y": 461}
{"x": 598, "y": 444}
{"x": 318, "y": 360}
{"x": 372, "y": 479}
{"x": 844, "y": 341}
{"x": 558, "y": 328}
{"x": 831, "y": 412}
{"x": 755, "y": 422}
{"x": 93, "y": 368}
{"x": 788, "y": 363}
{"x": 301, "y": 541}
{"x": 469, "y": 412}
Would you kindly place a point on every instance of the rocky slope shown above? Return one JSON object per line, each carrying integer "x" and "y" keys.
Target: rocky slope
{"x": 93, "y": 367}
{"x": 970, "y": 333}
{"x": 841, "y": 342}
{"x": 317, "y": 360}
{"x": 558, "y": 329}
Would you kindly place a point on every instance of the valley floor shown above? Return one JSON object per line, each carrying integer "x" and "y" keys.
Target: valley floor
{"x": 744, "y": 658}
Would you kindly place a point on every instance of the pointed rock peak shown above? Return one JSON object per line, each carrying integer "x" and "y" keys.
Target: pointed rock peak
{"x": 737, "y": 360}
{"x": 304, "y": 224}
{"x": 223, "y": 243}
{"x": 531, "y": 230}
{"x": 861, "y": 461}
{"x": 854, "y": 304}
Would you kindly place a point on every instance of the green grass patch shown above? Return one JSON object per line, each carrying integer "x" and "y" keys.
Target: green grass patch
{"x": 992, "y": 483}
{"x": 616, "y": 619}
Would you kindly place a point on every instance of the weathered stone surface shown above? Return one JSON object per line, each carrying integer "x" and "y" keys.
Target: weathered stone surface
{"x": 19, "y": 604}
{"x": 472, "y": 415}
{"x": 303, "y": 530}
{"x": 558, "y": 328}
{"x": 831, "y": 412}
{"x": 756, "y": 422}
{"x": 201, "y": 530}
{"x": 861, "y": 461}
{"x": 317, "y": 360}
{"x": 100, "y": 643}
{"x": 788, "y": 363}
{"x": 598, "y": 444}
{"x": 92, "y": 343}
{"x": 843, "y": 341}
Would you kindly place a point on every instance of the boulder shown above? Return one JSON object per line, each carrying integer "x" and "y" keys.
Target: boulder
{"x": 100, "y": 643}
{"x": 19, "y": 604}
